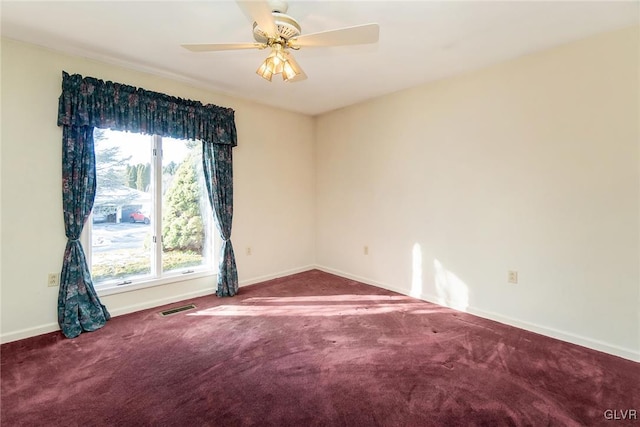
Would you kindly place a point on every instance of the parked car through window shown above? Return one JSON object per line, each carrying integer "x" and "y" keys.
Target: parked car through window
{"x": 138, "y": 216}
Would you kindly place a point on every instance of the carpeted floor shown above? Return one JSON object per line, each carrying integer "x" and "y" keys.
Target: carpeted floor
{"x": 311, "y": 349}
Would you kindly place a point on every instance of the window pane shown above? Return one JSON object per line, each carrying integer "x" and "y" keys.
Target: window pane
{"x": 122, "y": 236}
{"x": 186, "y": 215}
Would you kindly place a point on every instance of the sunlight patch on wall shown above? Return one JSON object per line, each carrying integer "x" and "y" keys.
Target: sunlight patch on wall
{"x": 451, "y": 291}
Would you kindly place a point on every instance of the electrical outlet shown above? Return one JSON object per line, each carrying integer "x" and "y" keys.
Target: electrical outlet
{"x": 53, "y": 280}
{"x": 366, "y": 250}
{"x": 249, "y": 250}
{"x": 512, "y": 277}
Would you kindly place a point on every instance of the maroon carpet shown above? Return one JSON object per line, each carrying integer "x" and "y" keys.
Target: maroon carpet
{"x": 312, "y": 349}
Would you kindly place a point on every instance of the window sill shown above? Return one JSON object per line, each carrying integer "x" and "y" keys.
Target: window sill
{"x": 112, "y": 289}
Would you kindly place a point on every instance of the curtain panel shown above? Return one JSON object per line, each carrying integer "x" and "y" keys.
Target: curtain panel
{"x": 87, "y": 103}
{"x": 79, "y": 308}
{"x": 218, "y": 173}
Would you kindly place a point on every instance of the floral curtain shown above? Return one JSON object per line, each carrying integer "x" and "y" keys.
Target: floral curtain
{"x": 87, "y": 103}
{"x": 78, "y": 305}
{"x": 218, "y": 173}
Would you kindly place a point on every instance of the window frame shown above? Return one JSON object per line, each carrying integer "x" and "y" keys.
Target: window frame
{"x": 156, "y": 277}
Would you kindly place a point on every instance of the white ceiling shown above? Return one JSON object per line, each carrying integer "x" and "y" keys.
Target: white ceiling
{"x": 420, "y": 41}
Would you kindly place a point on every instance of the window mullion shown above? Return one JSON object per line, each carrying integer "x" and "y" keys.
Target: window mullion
{"x": 157, "y": 200}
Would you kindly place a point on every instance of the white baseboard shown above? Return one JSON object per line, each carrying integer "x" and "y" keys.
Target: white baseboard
{"x": 52, "y": 327}
{"x": 260, "y": 279}
{"x": 28, "y": 332}
{"x": 200, "y": 293}
{"x": 569, "y": 337}
{"x": 591, "y": 343}
{"x": 159, "y": 302}
{"x": 361, "y": 279}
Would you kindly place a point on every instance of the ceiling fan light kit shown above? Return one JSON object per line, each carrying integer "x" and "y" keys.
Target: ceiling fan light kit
{"x": 278, "y": 62}
{"x": 273, "y": 28}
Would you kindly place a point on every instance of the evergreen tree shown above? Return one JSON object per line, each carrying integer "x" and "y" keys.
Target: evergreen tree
{"x": 140, "y": 177}
{"x": 143, "y": 176}
{"x": 111, "y": 176}
{"x": 182, "y": 227}
{"x": 146, "y": 178}
{"x": 132, "y": 176}
{"x": 170, "y": 169}
{"x": 110, "y": 164}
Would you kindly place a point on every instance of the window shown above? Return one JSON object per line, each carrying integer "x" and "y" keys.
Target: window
{"x": 151, "y": 218}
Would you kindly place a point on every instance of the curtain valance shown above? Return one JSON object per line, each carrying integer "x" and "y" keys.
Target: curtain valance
{"x": 87, "y": 101}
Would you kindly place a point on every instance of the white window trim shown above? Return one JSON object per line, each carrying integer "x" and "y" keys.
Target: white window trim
{"x": 177, "y": 276}
{"x": 113, "y": 289}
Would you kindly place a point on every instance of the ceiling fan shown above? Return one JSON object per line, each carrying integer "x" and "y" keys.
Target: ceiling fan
{"x": 274, "y": 29}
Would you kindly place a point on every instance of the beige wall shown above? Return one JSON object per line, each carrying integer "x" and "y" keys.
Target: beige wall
{"x": 531, "y": 165}
{"x": 273, "y": 178}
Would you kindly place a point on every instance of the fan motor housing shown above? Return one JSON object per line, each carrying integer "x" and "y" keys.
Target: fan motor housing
{"x": 286, "y": 26}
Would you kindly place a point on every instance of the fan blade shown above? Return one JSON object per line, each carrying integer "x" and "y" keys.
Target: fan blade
{"x": 260, "y": 12}
{"x": 212, "y": 47}
{"x": 296, "y": 66}
{"x": 360, "y": 34}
